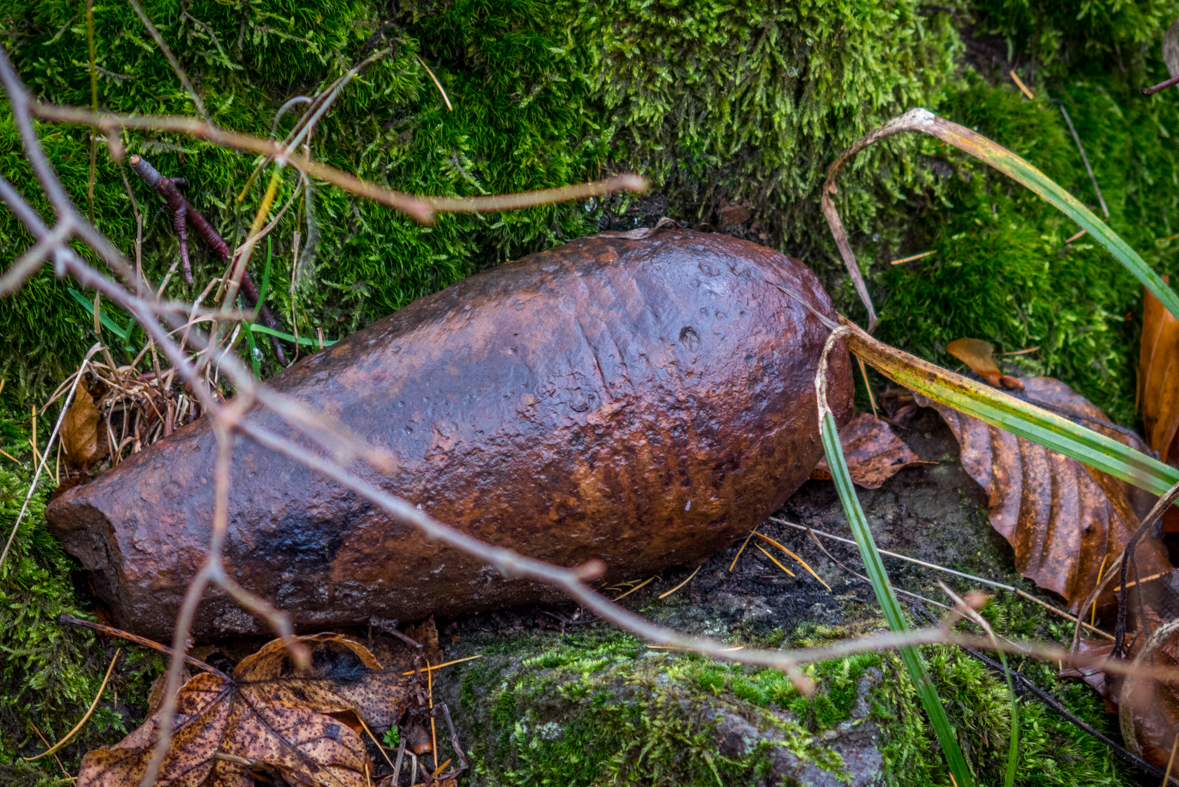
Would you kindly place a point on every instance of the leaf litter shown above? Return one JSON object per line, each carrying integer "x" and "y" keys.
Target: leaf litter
{"x": 1158, "y": 378}
{"x": 1063, "y": 519}
{"x": 298, "y": 727}
{"x": 1066, "y": 522}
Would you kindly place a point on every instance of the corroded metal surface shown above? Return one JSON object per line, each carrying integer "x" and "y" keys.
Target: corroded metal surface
{"x": 642, "y": 399}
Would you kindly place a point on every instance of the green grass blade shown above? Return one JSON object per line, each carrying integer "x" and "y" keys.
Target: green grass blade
{"x": 265, "y": 288}
{"x": 1013, "y": 747}
{"x": 107, "y": 322}
{"x": 874, "y": 566}
{"x": 255, "y": 363}
{"x": 1021, "y": 418}
{"x": 254, "y": 327}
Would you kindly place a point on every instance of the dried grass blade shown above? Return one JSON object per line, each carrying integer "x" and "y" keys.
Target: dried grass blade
{"x": 85, "y": 718}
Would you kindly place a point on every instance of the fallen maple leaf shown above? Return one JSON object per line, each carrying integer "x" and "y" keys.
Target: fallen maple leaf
{"x": 272, "y": 716}
{"x": 1158, "y": 377}
{"x": 873, "y": 452}
{"x": 1062, "y": 518}
{"x": 79, "y": 429}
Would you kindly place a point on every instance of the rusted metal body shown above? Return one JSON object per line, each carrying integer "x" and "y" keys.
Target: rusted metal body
{"x": 642, "y": 398}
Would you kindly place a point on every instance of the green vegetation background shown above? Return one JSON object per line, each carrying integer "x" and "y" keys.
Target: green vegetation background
{"x": 720, "y": 102}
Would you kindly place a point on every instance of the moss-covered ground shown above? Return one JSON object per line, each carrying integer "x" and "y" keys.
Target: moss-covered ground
{"x": 721, "y": 103}
{"x": 601, "y": 708}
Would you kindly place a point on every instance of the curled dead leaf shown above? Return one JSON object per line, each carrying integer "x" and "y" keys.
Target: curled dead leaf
{"x": 980, "y": 357}
{"x": 1061, "y": 517}
{"x": 873, "y": 452}
{"x": 272, "y": 716}
{"x": 79, "y": 429}
{"x": 1148, "y": 708}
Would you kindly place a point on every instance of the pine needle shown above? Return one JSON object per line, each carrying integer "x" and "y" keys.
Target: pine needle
{"x": 642, "y": 584}
{"x": 744, "y": 544}
{"x": 914, "y": 257}
{"x": 57, "y": 746}
{"x": 374, "y": 737}
{"x": 776, "y": 563}
{"x": 1022, "y": 86}
{"x": 686, "y": 581}
{"x": 445, "y": 664}
{"x": 433, "y": 730}
{"x": 802, "y": 562}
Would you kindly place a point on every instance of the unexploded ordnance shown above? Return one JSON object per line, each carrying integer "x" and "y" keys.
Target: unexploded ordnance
{"x": 642, "y": 398}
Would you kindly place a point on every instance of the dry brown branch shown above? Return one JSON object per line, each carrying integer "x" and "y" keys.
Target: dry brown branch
{"x": 902, "y": 123}
{"x": 421, "y": 209}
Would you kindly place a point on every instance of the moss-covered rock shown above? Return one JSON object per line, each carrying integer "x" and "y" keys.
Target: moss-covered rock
{"x": 601, "y": 708}
{"x": 732, "y": 102}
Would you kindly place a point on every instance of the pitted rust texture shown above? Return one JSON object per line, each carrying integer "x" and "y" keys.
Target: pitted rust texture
{"x": 642, "y": 400}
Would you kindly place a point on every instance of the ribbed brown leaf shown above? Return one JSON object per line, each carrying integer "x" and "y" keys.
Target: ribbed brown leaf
{"x": 873, "y": 452}
{"x": 1158, "y": 377}
{"x": 1061, "y": 517}
{"x": 281, "y": 719}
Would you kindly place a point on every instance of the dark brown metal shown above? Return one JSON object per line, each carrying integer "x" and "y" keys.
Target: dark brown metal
{"x": 643, "y": 399}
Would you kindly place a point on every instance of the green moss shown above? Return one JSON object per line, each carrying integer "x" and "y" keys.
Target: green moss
{"x": 50, "y": 673}
{"x": 595, "y": 708}
{"x": 521, "y": 121}
{"x": 1058, "y": 36}
{"x": 743, "y": 100}
{"x": 1051, "y": 752}
{"x": 600, "y": 708}
{"x": 1002, "y": 271}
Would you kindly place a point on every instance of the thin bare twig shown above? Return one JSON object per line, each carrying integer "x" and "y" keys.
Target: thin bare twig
{"x": 138, "y": 640}
{"x": 421, "y": 209}
{"x": 1084, "y": 158}
{"x": 45, "y": 457}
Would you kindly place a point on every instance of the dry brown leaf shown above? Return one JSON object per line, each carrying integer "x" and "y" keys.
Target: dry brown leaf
{"x": 293, "y": 723}
{"x": 1148, "y": 708}
{"x": 1158, "y": 377}
{"x": 1061, "y": 517}
{"x": 873, "y": 452}
{"x": 980, "y": 356}
{"x": 79, "y": 429}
